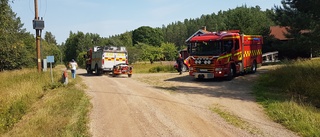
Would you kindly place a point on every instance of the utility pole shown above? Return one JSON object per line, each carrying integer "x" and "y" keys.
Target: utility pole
{"x": 38, "y": 25}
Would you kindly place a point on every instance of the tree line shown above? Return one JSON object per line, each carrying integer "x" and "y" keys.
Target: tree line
{"x": 300, "y": 17}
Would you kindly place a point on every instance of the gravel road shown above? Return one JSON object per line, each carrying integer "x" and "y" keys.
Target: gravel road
{"x": 172, "y": 105}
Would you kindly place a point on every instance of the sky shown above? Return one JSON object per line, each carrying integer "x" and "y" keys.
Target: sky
{"x": 113, "y": 17}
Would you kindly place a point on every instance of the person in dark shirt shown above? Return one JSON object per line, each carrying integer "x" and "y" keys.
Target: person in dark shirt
{"x": 179, "y": 63}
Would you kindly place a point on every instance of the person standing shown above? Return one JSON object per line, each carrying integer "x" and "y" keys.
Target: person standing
{"x": 180, "y": 64}
{"x": 73, "y": 66}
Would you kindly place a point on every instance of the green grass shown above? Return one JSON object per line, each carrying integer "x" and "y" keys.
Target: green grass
{"x": 290, "y": 95}
{"x": 234, "y": 120}
{"x": 31, "y": 105}
{"x": 156, "y": 67}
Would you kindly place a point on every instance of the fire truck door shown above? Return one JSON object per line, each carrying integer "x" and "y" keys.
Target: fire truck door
{"x": 120, "y": 57}
{"x": 242, "y": 52}
{"x": 237, "y": 56}
{"x": 109, "y": 60}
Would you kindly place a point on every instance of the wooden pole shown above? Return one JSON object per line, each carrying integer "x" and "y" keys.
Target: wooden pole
{"x": 37, "y": 36}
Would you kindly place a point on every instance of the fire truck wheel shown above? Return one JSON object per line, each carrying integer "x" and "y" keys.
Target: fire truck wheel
{"x": 129, "y": 75}
{"x": 231, "y": 73}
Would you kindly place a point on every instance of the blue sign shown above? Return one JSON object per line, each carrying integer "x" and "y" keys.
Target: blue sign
{"x": 50, "y": 59}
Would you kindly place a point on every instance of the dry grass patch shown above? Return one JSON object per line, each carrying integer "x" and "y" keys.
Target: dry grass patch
{"x": 234, "y": 120}
{"x": 31, "y": 105}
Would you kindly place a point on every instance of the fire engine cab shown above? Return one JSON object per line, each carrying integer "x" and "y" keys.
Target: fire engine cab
{"x": 224, "y": 54}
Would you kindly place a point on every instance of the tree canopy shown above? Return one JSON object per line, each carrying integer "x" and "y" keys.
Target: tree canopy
{"x": 301, "y": 17}
{"x": 147, "y": 35}
{"x": 14, "y": 41}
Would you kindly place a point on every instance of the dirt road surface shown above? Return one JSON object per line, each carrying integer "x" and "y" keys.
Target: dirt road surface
{"x": 172, "y": 105}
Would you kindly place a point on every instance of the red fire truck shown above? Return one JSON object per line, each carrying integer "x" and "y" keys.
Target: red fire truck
{"x": 224, "y": 54}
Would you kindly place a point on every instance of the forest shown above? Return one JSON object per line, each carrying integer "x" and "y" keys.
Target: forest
{"x": 300, "y": 17}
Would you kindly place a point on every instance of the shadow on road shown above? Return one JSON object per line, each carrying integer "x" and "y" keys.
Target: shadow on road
{"x": 238, "y": 88}
{"x": 248, "y": 76}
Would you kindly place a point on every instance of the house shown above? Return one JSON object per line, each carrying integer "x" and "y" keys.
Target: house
{"x": 279, "y": 32}
{"x": 203, "y": 30}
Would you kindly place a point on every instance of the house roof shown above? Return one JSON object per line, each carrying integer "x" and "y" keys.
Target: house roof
{"x": 205, "y": 37}
{"x": 200, "y": 31}
{"x": 279, "y": 32}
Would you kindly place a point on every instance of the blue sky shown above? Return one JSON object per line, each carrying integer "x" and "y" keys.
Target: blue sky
{"x": 111, "y": 17}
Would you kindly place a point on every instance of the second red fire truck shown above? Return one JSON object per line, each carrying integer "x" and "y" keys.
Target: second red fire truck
{"x": 224, "y": 54}
{"x": 108, "y": 59}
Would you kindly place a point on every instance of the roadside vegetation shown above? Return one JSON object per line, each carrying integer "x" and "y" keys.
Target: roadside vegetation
{"x": 290, "y": 95}
{"x": 156, "y": 67}
{"x": 31, "y": 105}
{"x": 234, "y": 120}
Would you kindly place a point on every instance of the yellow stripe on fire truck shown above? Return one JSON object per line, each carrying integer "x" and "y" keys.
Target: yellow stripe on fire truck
{"x": 246, "y": 54}
{"x": 239, "y": 55}
{"x": 231, "y": 37}
{"x": 120, "y": 59}
{"x": 257, "y": 52}
{"x": 252, "y": 53}
{"x": 109, "y": 59}
{"x": 225, "y": 56}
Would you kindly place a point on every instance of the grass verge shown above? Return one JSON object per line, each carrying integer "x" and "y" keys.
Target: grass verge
{"x": 290, "y": 96}
{"x": 234, "y": 120}
{"x": 144, "y": 67}
{"x": 31, "y": 105}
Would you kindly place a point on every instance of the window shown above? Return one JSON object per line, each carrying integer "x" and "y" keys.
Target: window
{"x": 227, "y": 45}
{"x": 206, "y": 48}
{"x": 237, "y": 46}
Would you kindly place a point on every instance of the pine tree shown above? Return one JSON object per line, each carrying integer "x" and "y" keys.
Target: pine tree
{"x": 301, "y": 17}
{"x": 12, "y": 48}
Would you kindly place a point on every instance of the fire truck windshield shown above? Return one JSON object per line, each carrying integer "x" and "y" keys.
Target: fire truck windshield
{"x": 211, "y": 48}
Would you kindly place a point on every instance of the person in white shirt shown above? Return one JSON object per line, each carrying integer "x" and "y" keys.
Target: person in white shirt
{"x": 73, "y": 66}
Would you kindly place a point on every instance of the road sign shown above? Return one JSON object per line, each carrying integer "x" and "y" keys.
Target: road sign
{"x": 50, "y": 59}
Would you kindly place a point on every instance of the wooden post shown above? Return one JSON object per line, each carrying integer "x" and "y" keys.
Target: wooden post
{"x": 37, "y": 36}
